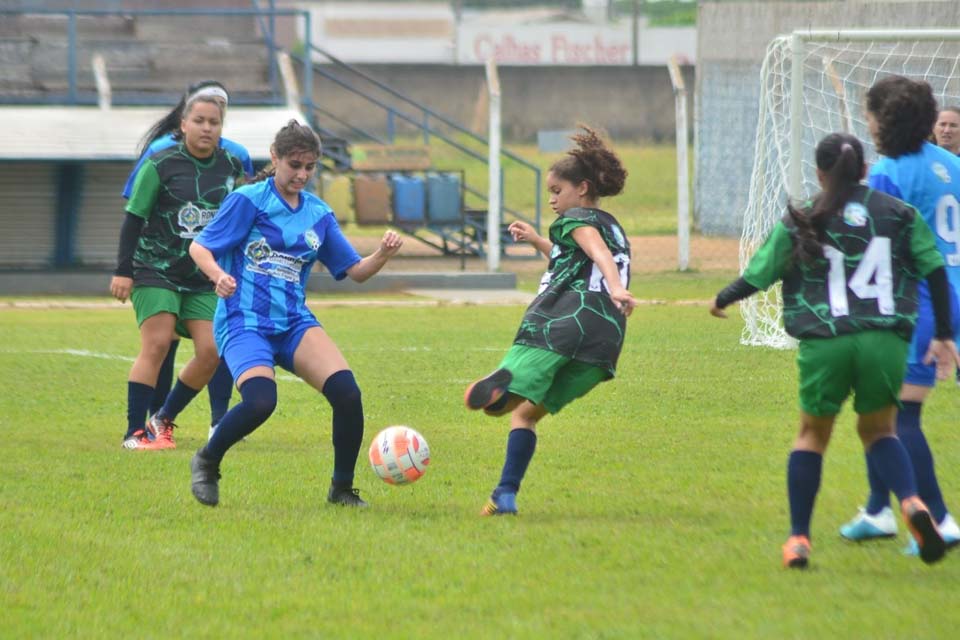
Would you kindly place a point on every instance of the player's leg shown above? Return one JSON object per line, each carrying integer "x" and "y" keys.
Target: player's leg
{"x": 317, "y": 360}
{"x": 826, "y": 371}
{"x": 220, "y": 388}
{"x": 154, "y": 317}
{"x": 165, "y": 377}
{"x": 196, "y": 314}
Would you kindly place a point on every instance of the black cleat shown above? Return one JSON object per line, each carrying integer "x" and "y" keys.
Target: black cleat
{"x": 345, "y": 495}
{"x": 487, "y": 391}
{"x": 204, "y": 475}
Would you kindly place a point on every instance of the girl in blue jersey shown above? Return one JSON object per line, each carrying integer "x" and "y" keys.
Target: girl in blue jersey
{"x": 259, "y": 252}
{"x": 900, "y": 115}
{"x": 572, "y": 333}
{"x": 850, "y": 262}
{"x": 165, "y": 133}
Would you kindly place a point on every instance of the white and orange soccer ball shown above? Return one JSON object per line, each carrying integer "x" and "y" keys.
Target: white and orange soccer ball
{"x": 399, "y": 455}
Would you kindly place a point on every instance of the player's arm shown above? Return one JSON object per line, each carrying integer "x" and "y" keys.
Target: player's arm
{"x": 929, "y": 261}
{"x": 766, "y": 267}
{"x": 589, "y": 239}
{"x": 524, "y": 232}
{"x": 144, "y": 195}
{"x": 224, "y": 284}
{"x": 371, "y": 265}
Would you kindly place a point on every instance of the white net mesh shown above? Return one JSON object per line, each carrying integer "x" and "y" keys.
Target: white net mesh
{"x": 836, "y": 76}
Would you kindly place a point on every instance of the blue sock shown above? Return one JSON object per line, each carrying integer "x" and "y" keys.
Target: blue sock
{"x": 138, "y": 403}
{"x": 220, "y": 388}
{"x": 803, "y": 483}
{"x": 889, "y": 457}
{"x": 343, "y": 394}
{"x": 910, "y": 434}
{"x": 521, "y": 443}
{"x": 879, "y": 497}
{"x": 164, "y": 379}
{"x": 177, "y": 401}
{"x": 258, "y": 399}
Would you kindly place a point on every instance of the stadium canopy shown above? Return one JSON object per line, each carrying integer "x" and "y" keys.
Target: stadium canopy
{"x": 58, "y": 133}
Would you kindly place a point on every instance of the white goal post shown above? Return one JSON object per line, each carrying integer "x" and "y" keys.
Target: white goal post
{"x": 813, "y": 82}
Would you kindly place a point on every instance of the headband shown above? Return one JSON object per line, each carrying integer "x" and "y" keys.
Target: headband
{"x": 212, "y": 91}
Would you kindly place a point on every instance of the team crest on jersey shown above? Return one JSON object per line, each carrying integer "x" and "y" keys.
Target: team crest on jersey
{"x": 192, "y": 218}
{"x": 855, "y": 215}
{"x": 941, "y": 172}
{"x": 313, "y": 241}
{"x": 258, "y": 251}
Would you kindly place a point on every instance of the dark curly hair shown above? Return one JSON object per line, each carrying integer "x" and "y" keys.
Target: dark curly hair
{"x": 592, "y": 161}
{"x": 840, "y": 157}
{"x": 905, "y": 111}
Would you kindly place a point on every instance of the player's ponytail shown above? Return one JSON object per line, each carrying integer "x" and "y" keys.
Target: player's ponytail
{"x": 840, "y": 163}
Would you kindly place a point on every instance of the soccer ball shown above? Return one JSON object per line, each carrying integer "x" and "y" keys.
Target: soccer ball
{"x": 399, "y": 455}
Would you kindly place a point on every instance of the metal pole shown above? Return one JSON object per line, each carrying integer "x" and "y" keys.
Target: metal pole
{"x": 683, "y": 183}
{"x": 72, "y": 57}
{"x": 494, "y": 186}
{"x": 796, "y": 114}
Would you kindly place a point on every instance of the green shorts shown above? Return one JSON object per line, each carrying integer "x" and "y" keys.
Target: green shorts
{"x": 870, "y": 363}
{"x": 149, "y": 301}
{"x": 548, "y": 378}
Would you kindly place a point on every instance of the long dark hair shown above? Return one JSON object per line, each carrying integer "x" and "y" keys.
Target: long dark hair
{"x": 292, "y": 138}
{"x": 592, "y": 161}
{"x": 905, "y": 111}
{"x": 170, "y": 123}
{"x": 840, "y": 157}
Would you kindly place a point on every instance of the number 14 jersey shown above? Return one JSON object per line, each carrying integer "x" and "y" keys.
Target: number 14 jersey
{"x": 874, "y": 254}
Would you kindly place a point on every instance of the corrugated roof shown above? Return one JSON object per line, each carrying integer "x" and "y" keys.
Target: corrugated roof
{"x": 89, "y": 133}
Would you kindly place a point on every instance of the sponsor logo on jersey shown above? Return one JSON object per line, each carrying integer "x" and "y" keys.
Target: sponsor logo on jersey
{"x": 192, "y": 219}
{"x": 855, "y": 214}
{"x": 263, "y": 259}
{"x": 941, "y": 172}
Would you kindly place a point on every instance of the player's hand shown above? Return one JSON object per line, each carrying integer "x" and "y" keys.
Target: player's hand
{"x": 717, "y": 312}
{"x": 390, "y": 244}
{"x": 944, "y": 353}
{"x": 624, "y": 301}
{"x": 226, "y": 286}
{"x": 120, "y": 287}
{"x": 522, "y": 231}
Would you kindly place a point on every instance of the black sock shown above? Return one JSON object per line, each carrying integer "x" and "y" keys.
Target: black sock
{"x": 521, "y": 444}
{"x": 220, "y": 388}
{"x": 164, "y": 378}
{"x": 343, "y": 394}
{"x": 177, "y": 401}
{"x": 803, "y": 482}
{"x": 138, "y": 403}
{"x": 258, "y": 399}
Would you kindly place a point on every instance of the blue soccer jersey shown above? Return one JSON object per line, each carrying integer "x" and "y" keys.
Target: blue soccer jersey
{"x": 270, "y": 249}
{"x": 930, "y": 181}
{"x": 235, "y": 149}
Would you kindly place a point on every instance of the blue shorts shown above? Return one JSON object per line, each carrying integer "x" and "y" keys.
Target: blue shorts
{"x": 920, "y": 374}
{"x": 247, "y": 349}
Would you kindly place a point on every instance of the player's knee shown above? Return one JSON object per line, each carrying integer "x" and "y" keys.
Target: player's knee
{"x": 342, "y": 392}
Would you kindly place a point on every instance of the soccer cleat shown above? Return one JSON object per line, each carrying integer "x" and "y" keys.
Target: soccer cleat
{"x": 346, "y": 496}
{"x": 162, "y": 430}
{"x": 949, "y": 531}
{"x": 930, "y": 543}
{"x": 486, "y": 391}
{"x": 868, "y": 527}
{"x": 138, "y": 440}
{"x": 504, "y": 504}
{"x": 796, "y": 552}
{"x": 204, "y": 478}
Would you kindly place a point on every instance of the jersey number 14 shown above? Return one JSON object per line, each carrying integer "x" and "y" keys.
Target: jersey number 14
{"x": 873, "y": 278}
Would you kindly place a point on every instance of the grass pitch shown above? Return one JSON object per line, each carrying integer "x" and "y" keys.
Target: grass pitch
{"x": 654, "y": 508}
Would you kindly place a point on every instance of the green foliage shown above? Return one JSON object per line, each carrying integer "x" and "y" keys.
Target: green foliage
{"x": 654, "y": 507}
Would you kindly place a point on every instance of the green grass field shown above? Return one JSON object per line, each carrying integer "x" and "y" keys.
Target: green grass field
{"x": 654, "y": 508}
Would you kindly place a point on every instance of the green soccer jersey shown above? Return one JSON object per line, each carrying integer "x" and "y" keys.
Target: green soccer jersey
{"x": 573, "y": 314}
{"x": 178, "y": 195}
{"x": 873, "y": 257}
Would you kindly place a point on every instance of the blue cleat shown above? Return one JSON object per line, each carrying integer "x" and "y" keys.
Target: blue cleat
{"x": 504, "y": 504}
{"x": 870, "y": 527}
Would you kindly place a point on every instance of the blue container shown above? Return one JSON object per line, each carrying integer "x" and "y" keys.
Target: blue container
{"x": 409, "y": 198}
{"x": 443, "y": 197}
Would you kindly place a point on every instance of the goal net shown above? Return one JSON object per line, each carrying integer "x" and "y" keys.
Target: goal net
{"x": 814, "y": 83}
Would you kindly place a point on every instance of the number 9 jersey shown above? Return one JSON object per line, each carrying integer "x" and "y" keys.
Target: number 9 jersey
{"x": 874, "y": 254}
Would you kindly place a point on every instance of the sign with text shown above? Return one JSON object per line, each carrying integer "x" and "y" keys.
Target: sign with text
{"x": 550, "y": 44}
